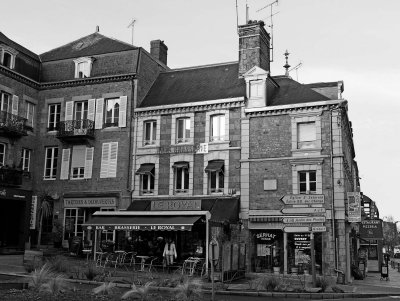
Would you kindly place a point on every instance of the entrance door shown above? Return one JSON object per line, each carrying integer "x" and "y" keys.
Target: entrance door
{"x": 12, "y": 215}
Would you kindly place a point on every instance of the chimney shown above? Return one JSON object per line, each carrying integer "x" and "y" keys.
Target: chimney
{"x": 254, "y": 47}
{"x": 159, "y": 51}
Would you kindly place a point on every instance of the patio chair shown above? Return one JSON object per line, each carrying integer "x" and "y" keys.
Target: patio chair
{"x": 112, "y": 259}
{"x": 101, "y": 258}
{"x": 128, "y": 259}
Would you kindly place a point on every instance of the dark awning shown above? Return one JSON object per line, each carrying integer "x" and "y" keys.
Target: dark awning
{"x": 181, "y": 165}
{"x": 145, "y": 169}
{"x": 142, "y": 223}
{"x": 214, "y": 166}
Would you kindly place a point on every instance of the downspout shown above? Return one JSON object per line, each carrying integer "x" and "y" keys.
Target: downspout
{"x": 333, "y": 191}
{"x": 128, "y": 182}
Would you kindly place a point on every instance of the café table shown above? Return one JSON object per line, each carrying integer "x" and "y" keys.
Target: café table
{"x": 143, "y": 260}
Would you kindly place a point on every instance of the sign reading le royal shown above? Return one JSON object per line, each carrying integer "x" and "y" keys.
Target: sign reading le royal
{"x": 176, "y": 205}
{"x": 90, "y": 202}
{"x": 145, "y": 227}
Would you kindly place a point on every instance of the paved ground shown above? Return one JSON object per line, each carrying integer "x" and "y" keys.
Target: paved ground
{"x": 372, "y": 284}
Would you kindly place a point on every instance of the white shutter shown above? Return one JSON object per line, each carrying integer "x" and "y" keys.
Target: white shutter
{"x": 98, "y": 123}
{"x": 14, "y": 108}
{"x": 112, "y": 167}
{"x": 88, "y": 162}
{"x": 69, "y": 110}
{"x": 91, "y": 108}
{"x": 65, "y": 164}
{"x": 105, "y": 158}
{"x": 122, "y": 111}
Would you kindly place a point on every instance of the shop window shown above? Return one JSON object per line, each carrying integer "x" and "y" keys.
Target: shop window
{"x": 112, "y": 106}
{"x": 181, "y": 177}
{"x": 54, "y": 114}
{"x": 182, "y": 130}
{"x": 308, "y": 182}
{"x": 215, "y": 171}
{"x": 73, "y": 221}
{"x": 306, "y": 135}
{"x": 150, "y": 131}
{"x": 146, "y": 173}
{"x": 2, "y": 154}
{"x": 6, "y": 102}
{"x": 50, "y": 163}
{"x": 26, "y": 159}
{"x": 30, "y": 114}
{"x": 217, "y": 128}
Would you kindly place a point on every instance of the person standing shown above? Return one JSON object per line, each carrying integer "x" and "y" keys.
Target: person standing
{"x": 169, "y": 252}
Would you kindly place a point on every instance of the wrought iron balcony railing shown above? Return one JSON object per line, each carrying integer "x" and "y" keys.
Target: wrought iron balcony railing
{"x": 12, "y": 125}
{"x": 10, "y": 176}
{"x": 76, "y": 128}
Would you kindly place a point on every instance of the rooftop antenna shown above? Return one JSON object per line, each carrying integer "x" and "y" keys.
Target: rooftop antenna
{"x": 247, "y": 13}
{"x": 132, "y": 24}
{"x": 296, "y": 68}
{"x": 286, "y": 66}
{"x": 271, "y": 25}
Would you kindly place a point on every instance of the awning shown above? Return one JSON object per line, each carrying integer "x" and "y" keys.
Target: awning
{"x": 181, "y": 165}
{"x": 145, "y": 169}
{"x": 214, "y": 166}
{"x": 142, "y": 223}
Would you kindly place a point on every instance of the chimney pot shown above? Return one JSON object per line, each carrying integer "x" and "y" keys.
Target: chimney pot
{"x": 159, "y": 51}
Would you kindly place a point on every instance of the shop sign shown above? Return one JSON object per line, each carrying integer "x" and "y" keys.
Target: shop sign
{"x": 90, "y": 202}
{"x": 305, "y": 219}
{"x": 303, "y": 199}
{"x": 354, "y": 207}
{"x": 14, "y": 194}
{"x": 176, "y": 205}
{"x": 296, "y": 229}
{"x": 303, "y": 210}
{"x": 201, "y": 148}
{"x": 371, "y": 229}
{"x": 266, "y": 237}
{"x": 143, "y": 227}
{"x": 32, "y": 222}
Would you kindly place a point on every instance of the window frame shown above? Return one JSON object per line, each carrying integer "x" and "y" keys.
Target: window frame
{"x": 84, "y": 111}
{"x": 182, "y": 174}
{"x": 30, "y": 123}
{"x": 2, "y": 102}
{"x": 4, "y": 49}
{"x": 26, "y": 159}
{"x": 3, "y": 153}
{"x": 221, "y": 128}
{"x": 86, "y": 71}
{"x": 115, "y": 116}
{"x": 153, "y": 132}
{"x": 149, "y": 180}
{"x": 52, "y": 125}
{"x": 306, "y": 144}
{"x": 219, "y": 176}
{"x": 186, "y": 137}
{"x": 53, "y": 163}
{"x": 308, "y": 181}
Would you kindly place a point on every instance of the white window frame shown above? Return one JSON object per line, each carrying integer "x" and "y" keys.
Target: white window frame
{"x": 308, "y": 117}
{"x": 310, "y": 128}
{"x": 86, "y": 62}
{"x": 222, "y": 155}
{"x": 84, "y": 111}
{"x": 218, "y": 124}
{"x": 183, "y": 124}
{"x": 149, "y": 159}
{"x": 26, "y": 159}
{"x": 13, "y": 53}
{"x": 147, "y": 178}
{"x": 218, "y": 175}
{"x": 256, "y": 88}
{"x": 114, "y": 116}
{"x": 9, "y": 102}
{"x": 80, "y": 174}
{"x": 30, "y": 115}
{"x": 174, "y": 129}
{"x": 181, "y": 172}
{"x": 53, "y": 163}
{"x": 52, "y": 125}
{"x": 308, "y": 181}
{"x": 303, "y": 166}
{"x": 153, "y": 132}
{"x": 3, "y": 150}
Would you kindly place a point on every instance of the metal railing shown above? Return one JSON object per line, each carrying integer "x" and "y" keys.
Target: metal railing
{"x": 12, "y": 124}
{"x": 76, "y": 128}
{"x": 10, "y": 176}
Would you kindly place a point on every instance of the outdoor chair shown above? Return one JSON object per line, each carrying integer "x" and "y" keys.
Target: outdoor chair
{"x": 128, "y": 259}
{"x": 101, "y": 258}
{"x": 112, "y": 259}
{"x": 189, "y": 265}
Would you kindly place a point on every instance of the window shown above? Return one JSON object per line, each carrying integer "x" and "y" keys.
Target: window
{"x": 146, "y": 173}
{"x": 30, "y": 114}
{"x": 50, "y": 165}
{"x": 7, "y": 59}
{"x": 181, "y": 171}
{"x": 109, "y": 158}
{"x": 150, "y": 130}
{"x": 7, "y": 56}
{"x": 73, "y": 220}
{"x": 78, "y": 162}
{"x": 306, "y": 135}
{"x": 83, "y": 67}
{"x": 308, "y": 182}
{"x": 215, "y": 170}
{"x": 112, "y": 112}
{"x": 81, "y": 110}
{"x": 26, "y": 159}
{"x": 6, "y": 102}
{"x": 2, "y": 154}
{"x": 54, "y": 116}
{"x": 256, "y": 89}
{"x": 182, "y": 130}
{"x": 81, "y": 162}
{"x": 217, "y": 128}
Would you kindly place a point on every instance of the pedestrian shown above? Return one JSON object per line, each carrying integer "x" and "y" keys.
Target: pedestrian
{"x": 169, "y": 252}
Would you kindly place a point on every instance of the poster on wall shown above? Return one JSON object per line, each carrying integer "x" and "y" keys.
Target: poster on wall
{"x": 263, "y": 250}
{"x": 354, "y": 207}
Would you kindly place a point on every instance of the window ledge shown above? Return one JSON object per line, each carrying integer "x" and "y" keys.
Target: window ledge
{"x": 49, "y": 179}
{"x": 110, "y": 128}
{"x": 307, "y": 150}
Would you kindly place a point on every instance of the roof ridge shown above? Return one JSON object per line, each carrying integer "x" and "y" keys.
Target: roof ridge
{"x": 201, "y": 66}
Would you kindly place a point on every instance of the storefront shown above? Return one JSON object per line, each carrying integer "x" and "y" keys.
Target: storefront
{"x": 371, "y": 243}
{"x": 15, "y": 209}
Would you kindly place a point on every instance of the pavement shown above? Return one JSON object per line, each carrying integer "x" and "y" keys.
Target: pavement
{"x": 371, "y": 286}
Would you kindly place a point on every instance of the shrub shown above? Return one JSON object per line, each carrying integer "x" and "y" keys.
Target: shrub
{"x": 58, "y": 264}
{"x": 189, "y": 290}
{"x": 91, "y": 271}
{"x": 323, "y": 283}
{"x": 54, "y": 285}
{"x": 271, "y": 283}
{"x": 41, "y": 276}
{"x": 105, "y": 289}
{"x": 142, "y": 293}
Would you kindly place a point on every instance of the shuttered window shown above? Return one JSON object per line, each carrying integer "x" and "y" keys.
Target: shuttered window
{"x": 109, "y": 157}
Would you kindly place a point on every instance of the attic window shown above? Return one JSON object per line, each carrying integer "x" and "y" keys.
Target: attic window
{"x": 256, "y": 89}
{"x": 83, "y": 67}
{"x": 7, "y": 56}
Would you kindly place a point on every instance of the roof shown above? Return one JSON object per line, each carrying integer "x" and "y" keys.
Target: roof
{"x": 196, "y": 84}
{"x": 92, "y": 44}
{"x": 4, "y": 39}
{"x": 221, "y": 81}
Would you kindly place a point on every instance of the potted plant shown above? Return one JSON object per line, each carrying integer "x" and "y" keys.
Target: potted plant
{"x": 276, "y": 265}
{"x": 57, "y": 233}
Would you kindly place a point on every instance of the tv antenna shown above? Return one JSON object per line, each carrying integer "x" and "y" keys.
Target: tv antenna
{"x": 271, "y": 24}
{"x": 296, "y": 68}
{"x": 132, "y": 24}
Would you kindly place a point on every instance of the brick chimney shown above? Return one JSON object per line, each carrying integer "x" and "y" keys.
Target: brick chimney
{"x": 159, "y": 51}
{"x": 254, "y": 47}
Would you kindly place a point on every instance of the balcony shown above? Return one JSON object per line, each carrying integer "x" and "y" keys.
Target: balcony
{"x": 10, "y": 176}
{"x": 12, "y": 125}
{"x": 76, "y": 130}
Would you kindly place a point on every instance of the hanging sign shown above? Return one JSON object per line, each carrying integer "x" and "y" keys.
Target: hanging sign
{"x": 354, "y": 207}
{"x": 32, "y": 223}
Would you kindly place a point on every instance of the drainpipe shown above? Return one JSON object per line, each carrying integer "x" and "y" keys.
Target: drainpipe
{"x": 333, "y": 191}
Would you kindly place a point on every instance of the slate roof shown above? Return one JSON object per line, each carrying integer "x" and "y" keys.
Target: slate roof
{"x": 221, "y": 81}
{"x": 4, "y": 39}
{"x": 92, "y": 44}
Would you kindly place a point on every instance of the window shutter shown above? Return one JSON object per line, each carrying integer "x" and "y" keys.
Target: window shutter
{"x": 69, "y": 109}
{"x": 65, "y": 164}
{"x": 112, "y": 167}
{"x": 98, "y": 123}
{"x": 14, "y": 108}
{"x": 105, "y": 158}
{"x": 122, "y": 111}
{"x": 91, "y": 109}
{"x": 88, "y": 162}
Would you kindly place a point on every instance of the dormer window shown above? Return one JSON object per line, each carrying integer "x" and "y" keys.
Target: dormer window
{"x": 256, "y": 89}
{"x": 83, "y": 67}
{"x": 7, "y": 56}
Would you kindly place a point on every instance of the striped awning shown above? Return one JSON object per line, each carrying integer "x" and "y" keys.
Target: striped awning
{"x": 265, "y": 219}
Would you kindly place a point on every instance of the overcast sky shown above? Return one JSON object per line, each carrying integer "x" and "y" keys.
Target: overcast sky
{"x": 356, "y": 41}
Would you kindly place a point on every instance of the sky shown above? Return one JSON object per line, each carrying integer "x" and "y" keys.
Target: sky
{"x": 356, "y": 41}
